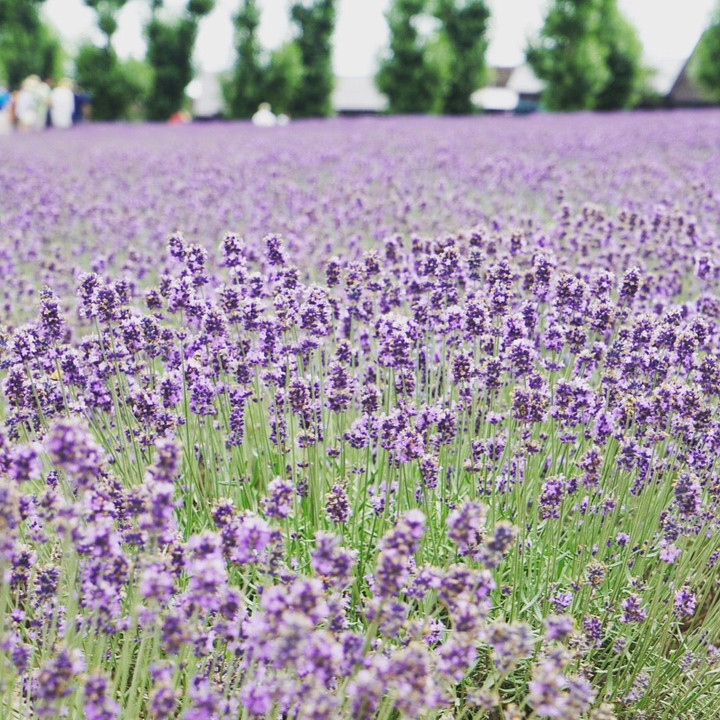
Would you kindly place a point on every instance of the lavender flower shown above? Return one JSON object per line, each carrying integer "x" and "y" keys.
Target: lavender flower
{"x": 633, "y": 612}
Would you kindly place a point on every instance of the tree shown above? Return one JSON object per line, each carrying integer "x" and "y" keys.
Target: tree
{"x": 408, "y": 76}
{"x": 246, "y": 91}
{"x": 27, "y": 45}
{"x": 170, "y": 47}
{"x": 589, "y": 56}
{"x": 258, "y": 76}
{"x": 282, "y": 77}
{"x": 464, "y": 27}
{"x": 315, "y": 23}
{"x": 569, "y": 55}
{"x": 116, "y": 88}
{"x": 109, "y": 83}
{"x": 705, "y": 65}
{"x": 623, "y": 60}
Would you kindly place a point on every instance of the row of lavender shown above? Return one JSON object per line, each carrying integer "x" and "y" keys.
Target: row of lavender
{"x": 445, "y": 448}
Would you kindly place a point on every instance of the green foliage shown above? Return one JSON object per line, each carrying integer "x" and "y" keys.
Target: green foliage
{"x": 111, "y": 84}
{"x": 27, "y": 45}
{"x": 624, "y": 52}
{"x": 106, "y": 13}
{"x": 169, "y": 53}
{"x": 408, "y": 76}
{"x": 116, "y": 88}
{"x": 283, "y": 75}
{"x": 200, "y": 8}
{"x": 589, "y": 56}
{"x": 569, "y": 55}
{"x": 464, "y": 26}
{"x": 245, "y": 90}
{"x": 274, "y": 78}
{"x": 170, "y": 48}
{"x": 315, "y": 23}
{"x": 705, "y": 65}
{"x": 139, "y": 75}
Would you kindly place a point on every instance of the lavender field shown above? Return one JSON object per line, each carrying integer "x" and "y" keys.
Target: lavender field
{"x": 382, "y": 418}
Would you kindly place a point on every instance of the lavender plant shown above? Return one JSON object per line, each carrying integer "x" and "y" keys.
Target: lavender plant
{"x": 431, "y": 433}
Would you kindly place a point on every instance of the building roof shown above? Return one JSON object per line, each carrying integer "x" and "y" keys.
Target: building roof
{"x": 685, "y": 91}
{"x": 507, "y": 87}
{"x": 664, "y": 73}
{"x": 357, "y": 94}
{"x": 499, "y": 76}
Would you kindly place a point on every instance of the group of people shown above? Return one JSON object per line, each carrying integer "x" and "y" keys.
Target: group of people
{"x": 39, "y": 104}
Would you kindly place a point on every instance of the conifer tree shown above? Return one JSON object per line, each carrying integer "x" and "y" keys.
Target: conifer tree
{"x": 464, "y": 30}
{"x": 589, "y": 56}
{"x": 246, "y": 90}
{"x": 170, "y": 47}
{"x": 705, "y": 65}
{"x": 407, "y": 75}
{"x": 315, "y": 22}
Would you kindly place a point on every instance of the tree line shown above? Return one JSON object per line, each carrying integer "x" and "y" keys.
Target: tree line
{"x": 587, "y": 53}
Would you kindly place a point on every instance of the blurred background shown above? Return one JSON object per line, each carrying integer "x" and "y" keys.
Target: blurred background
{"x": 64, "y": 62}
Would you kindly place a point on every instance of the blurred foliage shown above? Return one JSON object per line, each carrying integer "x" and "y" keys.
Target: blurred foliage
{"x": 437, "y": 70}
{"x": 464, "y": 30}
{"x": 110, "y": 84}
{"x": 245, "y": 90}
{"x": 140, "y": 76}
{"x": 169, "y": 53}
{"x": 588, "y": 54}
{"x": 117, "y": 89}
{"x": 28, "y": 46}
{"x": 170, "y": 47}
{"x": 283, "y": 76}
{"x": 315, "y": 22}
{"x": 411, "y": 74}
{"x": 106, "y": 11}
{"x": 705, "y": 64}
{"x": 259, "y": 77}
{"x": 624, "y": 87}
{"x": 569, "y": 56}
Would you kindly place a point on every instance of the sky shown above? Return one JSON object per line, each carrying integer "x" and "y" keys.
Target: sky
{"x": 668, "y": 29}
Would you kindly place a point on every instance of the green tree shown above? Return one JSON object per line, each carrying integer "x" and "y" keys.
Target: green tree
{"x": 315, "y": 23}
{"x": 408, "y": 75}
{"x": 623, "y": 60}
{"x": 28, "y": 46}
{"x": 170, "y": 48}
{"x": 116, "y": 89}
{"x": 282, "y": 77}
{"x": 569, "y": 55}
{"x": 705, "y": 65}
{"x": 245, "y": 91}
{"x": 464, "y": 27}
{"x": 589, "y": 56}
{"x": 112, "y": 88}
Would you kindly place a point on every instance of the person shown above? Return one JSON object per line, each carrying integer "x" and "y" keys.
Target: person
{"x": 5, "y": 118}
{"x": 26, "y": 104}
{"x": 51, "y": 84}
{"x": 42, "y": 92}
{"x": 283, "y": 119}
{"x": 62, "y": 104}
{"x": 264, "y": 117}
{"x": 82, "y": 106}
